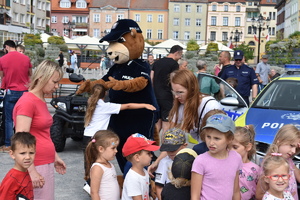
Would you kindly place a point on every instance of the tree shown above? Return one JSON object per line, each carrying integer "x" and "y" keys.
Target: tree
{"x": 248, "y": 52}
{"x": 192, "y": 45}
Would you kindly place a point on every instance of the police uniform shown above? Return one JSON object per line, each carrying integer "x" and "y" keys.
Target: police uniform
{"x": 246, "y": 78}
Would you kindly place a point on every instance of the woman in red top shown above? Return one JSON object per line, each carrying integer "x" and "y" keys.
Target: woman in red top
{"x": 31, "y": 115}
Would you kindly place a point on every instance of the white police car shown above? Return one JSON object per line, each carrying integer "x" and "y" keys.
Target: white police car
{"x": 278, "y": 104}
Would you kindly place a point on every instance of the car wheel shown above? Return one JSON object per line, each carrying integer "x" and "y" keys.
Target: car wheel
{"x": 56, "y": 132}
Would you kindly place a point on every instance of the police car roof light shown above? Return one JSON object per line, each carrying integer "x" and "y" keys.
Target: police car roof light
{"x": 291, "y": 68}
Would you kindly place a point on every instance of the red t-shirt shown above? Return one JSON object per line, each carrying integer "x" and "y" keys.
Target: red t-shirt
{"x": 33, "y": 107}
{"x": 16, "y": 184}
{"x": 15, "y": 67}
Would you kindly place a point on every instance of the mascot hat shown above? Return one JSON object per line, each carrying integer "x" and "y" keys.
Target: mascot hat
{"x": 120, "y": 28}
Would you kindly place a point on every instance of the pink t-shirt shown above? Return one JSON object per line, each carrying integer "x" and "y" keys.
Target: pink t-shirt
{"x": 248, "y": 179}
{"x": 218, "y": 175}
{"x": 15, "y": 67}
{"x": 293, "y": 183}
{"x": 33, "y": 107}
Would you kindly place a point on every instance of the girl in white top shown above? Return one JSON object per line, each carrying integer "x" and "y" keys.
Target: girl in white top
{"x": 276, "y": 176}
{"x": 98, "y": 154}
{"x": 98, "y": 112}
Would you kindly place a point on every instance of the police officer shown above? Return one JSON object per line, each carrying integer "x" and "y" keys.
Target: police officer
{"x": 245, "y": 75}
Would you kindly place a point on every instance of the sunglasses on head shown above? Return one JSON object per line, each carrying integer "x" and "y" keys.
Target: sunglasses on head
{"x": 238, "y": 59}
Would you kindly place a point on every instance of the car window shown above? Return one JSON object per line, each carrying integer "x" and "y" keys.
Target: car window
{"x": 280, "y": 94}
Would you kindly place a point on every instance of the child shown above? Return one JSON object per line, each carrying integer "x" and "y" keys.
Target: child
{"x": 286, "y": 142}
{"x": 17, "y": 182}
{"x": 137, "y": 150}
{"x": 244, "y": 144}
{"x": 173, "y": 141}
{"x": 276, "y": 175}
{"x": 201, "y": 147}
{"x": 98, "y": 112}
{"x": 103, "y": 177}
{"x": 215, "y": 174}
{"x": 180, "y": 185}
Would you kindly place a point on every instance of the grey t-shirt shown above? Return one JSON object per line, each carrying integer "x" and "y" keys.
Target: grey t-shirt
{"x": 263, "y": 70}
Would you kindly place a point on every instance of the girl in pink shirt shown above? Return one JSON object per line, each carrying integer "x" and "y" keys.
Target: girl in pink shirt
{"x": 244, "y": 144}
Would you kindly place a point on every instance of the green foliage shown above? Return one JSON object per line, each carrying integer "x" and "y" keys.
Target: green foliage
{"x": 63, "y": 47}
{"x": 189, "y": 55}
{"x": 212, "y": 47}
{"x": 248, "y": 52}
{"x": 295, "y": 35}
{"x": 151, "y": 43}
{"x": 32, "y": 39}
{"x": 267, "y": 47}
{"x": 192, "y": 45}
{"x": 56, "y": 40}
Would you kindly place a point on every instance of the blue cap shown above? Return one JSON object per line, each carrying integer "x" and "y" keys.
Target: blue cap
{"x": 221, "y": 122}
{"x": 238, "y": 55}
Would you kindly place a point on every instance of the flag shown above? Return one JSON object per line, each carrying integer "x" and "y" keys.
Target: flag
{"x": 255, "y": 38}
{"x": 230, "y": 45}
{"x": 268, "y": 37}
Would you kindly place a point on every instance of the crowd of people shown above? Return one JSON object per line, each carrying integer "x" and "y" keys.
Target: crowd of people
{"x": 218, "y": 167}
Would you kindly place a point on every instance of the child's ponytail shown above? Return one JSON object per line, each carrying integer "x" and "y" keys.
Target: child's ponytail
{"x": 98, "y": 92}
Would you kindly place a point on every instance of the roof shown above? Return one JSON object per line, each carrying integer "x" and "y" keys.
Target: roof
{"x": 145, "y": 4}
{"x": 228, "y": 1}
{"x": 189, "y": 1}
{"x": 118, "y": 3}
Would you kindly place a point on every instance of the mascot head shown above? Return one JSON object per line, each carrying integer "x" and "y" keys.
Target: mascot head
{"x": 126, "y": 41}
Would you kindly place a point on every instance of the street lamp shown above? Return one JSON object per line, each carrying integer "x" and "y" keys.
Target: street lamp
{"x": 236, "y": 35}
{"x": 70, "y": 26}
{"x": 260, "y": 22}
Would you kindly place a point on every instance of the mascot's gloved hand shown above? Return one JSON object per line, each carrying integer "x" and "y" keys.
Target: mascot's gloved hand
{"x": 88, "y": 85}
{"x": 132, "y": 85}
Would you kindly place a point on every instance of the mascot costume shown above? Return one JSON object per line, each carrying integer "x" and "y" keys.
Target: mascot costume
{"x": 128, "y": 81}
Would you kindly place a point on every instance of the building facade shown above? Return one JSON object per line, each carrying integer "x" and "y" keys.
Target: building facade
{"x": 187, "y": 20}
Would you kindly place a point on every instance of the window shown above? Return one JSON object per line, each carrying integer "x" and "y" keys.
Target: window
{"x": 53, "y": 30}
{"x": 159, "y": 34}
{"x": 16, "y": 17}
{"x": 270, "y": 15}
{"x": 199, "y": 9}
{"x": 214, "y": 7}
{"x": 80, "y": 4}
{"x": 160, "y": 19}
{"x": 254, "y": 29}
{"x": 176, "y": 8}
{"x": 213, "y": 20}
{"x": 274, "y": 16}
{"x": 212, "y": 36}
{"x": 39, "y": 5}
{"x": 108, "y": 19}
{"x": 175, "y": 34}
{"x": 53, "y": 19}
{"x": 237, "y": 21}
{"x": 198, "y": 36}
{"x": 149, "y": 18}
{"x": 270, "y": 29}
{"x": 187, "y": 21}
{"x": 22, "y": 18}
{"x": 96, "y": 18}
{"x": 198, "y": 22}
{"x": 137, "y": 17}
{"x": 80, "y": 19}
{"x": 225, "y": 21}
{"x": 273, "y": 31}
{"x": 250, "y": 3}
{"x": 22, "y": 2}
{"x": 224, "y": 36}
{"x": 149, "y": 33}
{"x": 249, "y": 29}
{"x": 226, "y": 8}
{"x": 251, "y": 43}
{"x": 120, "y": 16}
{"x": 65, "y": 19}
{"x": 188, "y": 8}
{"x": 65, "y": 4}
{"x": 274, "y": 1}
{"x": 186, "y": 35}
{"x": 96, "y": 32}
{"x": 176, "y": 22}
{"x": 238, "y": 8}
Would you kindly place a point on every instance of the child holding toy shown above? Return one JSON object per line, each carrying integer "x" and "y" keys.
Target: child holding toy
{"x": 285, "y": 143}
{"x": 244, "y": 144}
{"x": 215, "y": 174}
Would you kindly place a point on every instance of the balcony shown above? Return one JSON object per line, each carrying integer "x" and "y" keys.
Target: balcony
{"x": 81, "y": 25}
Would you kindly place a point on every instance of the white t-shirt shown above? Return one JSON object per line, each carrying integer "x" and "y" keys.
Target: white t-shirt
{"x": 101, "y": 117}
{"x": 135, "y": 185}
{"x": 109, "y": 186}
{"x": 212, "y": 104}
{"x": 163, "y": 170}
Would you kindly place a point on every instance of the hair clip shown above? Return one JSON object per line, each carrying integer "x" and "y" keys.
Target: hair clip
{"x": 113, "y": 143}
{"x": 276, "y": 154}
{"x": 93, "y": 140}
